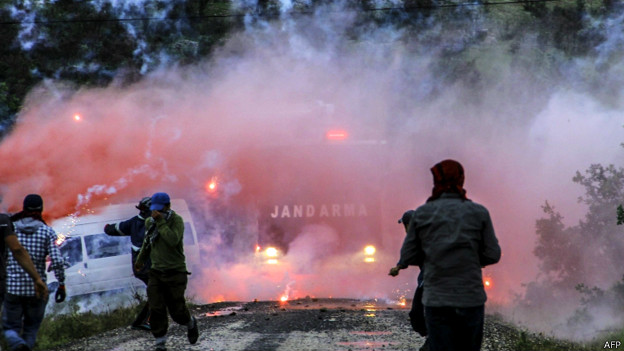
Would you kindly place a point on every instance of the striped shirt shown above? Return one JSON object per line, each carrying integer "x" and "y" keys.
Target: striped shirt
{"x": 40, "y": 242}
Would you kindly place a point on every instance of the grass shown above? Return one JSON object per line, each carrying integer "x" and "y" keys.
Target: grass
{"x": 61, "y": 328}
{"x": 511, "y": 337}
{"x": 66, "y": 322}
{"x": 600, "y": 343}
{"x": 539, "y": 342}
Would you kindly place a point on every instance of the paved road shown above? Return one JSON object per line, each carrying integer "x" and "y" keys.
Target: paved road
{"x": 301, "y": 325}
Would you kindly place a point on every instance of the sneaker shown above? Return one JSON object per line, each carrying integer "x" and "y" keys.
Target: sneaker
{"x": 145, "y": 327}
{"x": 193, "y": 333}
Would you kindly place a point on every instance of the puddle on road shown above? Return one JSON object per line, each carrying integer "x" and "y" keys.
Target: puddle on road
{"x": 371, "y": 333}
{"x": 368, "y": 344}
{"x": 224, "y": 311}
{"x": 371, "y": 306}
{"x": 363, "y": 345}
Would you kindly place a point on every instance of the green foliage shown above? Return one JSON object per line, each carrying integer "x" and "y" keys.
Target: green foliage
{"x": 15, "y": 77}
{"x": 64, "y": 323}
{"x": 531, "y": 342}
{"x": 85, "y": 48}
{"x": 60, "y": 329}
{"x": 575, "y": 259}
{"x": 599, "y": 342}
{"x": 558, "y": 248}
{"x": 82, "y": 43}
{"x": 604, "y": 188}
{"x": 611, "y": 304}
{"x": 571, "y": 255}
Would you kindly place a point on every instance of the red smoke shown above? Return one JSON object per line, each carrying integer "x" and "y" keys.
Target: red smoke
{"x": 237, "y": 118}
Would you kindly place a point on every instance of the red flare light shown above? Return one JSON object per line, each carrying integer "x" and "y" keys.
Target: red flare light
{"x": 77, "y": 117}
{"x": 60, "y": 239}
{"x": 402, "y": 302}
{"x": 487, "y": 282}
{"x": 336, "y": 134}
{"x": 211, "y": 185}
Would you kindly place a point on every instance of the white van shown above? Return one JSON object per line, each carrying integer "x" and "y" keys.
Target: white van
{"x": 96, "y": 262}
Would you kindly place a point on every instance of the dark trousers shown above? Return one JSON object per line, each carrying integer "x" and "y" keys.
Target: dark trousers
{"x": 417, "y": 313}
{"x": 143, "y": 275}
{"x": 165, "y": 293}
{"x": 455, "y": 329}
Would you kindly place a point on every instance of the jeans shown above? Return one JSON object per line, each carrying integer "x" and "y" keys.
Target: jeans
{"x": 454, "y": 328}
{"x": 21, "y": 319}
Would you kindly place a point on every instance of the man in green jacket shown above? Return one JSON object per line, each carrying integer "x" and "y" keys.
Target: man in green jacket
{"x": 164, "y": 245}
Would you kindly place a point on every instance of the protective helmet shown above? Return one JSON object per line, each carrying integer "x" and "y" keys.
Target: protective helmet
{"x": 144, "y": 204}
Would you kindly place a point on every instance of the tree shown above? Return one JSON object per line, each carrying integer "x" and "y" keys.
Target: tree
{"x": 558, "y": 249}
{"x": 589, "y": 252}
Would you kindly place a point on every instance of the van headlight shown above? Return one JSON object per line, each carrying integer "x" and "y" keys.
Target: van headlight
{"x": 369, "y": 253}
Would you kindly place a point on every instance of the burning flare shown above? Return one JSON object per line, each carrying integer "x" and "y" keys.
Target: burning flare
{"x": 211, "y": 185}
{"x": 487, "y": 282}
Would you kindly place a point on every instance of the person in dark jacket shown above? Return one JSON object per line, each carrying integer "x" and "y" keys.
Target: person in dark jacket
{"x": 135, "y": 229}
{"x": 451, "y": 238}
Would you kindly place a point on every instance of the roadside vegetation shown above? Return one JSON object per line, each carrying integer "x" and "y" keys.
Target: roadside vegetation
{"x": 62, "y": 327}
{"x": 527, "y": 341}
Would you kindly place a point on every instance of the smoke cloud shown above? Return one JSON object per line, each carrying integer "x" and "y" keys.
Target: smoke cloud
{"x": 280, "y": 85}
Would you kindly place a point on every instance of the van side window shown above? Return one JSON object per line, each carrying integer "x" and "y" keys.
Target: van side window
{"x": 102, "y": 245}
{"x": 188, "y": 234}
{"x": 71, "y": 251}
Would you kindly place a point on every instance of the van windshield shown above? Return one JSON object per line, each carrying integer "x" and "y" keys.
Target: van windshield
{"x": 71, "y": 251}
{"x": 102, "y": 245}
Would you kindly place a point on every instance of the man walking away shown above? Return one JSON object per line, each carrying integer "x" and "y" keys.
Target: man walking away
{"x": 451, "y": 238}
{"x": 135, "y": 228}
{"x": 8, "y": 239}
{"x": 164, "y": 244}
{"x": 23, "y": 310}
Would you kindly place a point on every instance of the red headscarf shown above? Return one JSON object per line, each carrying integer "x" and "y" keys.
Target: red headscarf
{"x": 448, "y": 177}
